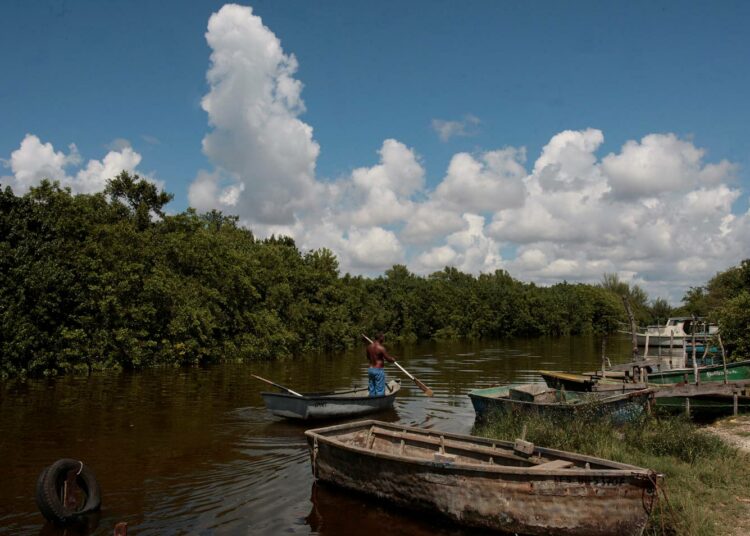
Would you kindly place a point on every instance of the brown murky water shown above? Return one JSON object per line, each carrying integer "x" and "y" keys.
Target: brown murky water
{"x": 194, "y": 451}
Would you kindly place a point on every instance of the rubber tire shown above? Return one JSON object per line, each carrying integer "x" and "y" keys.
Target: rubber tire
{"x": 50, "y": 481}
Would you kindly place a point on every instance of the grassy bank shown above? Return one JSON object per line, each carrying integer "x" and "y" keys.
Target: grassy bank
{"x": 707, "y": 481}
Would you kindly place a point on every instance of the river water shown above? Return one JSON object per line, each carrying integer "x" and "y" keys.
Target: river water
{"x": 193, "y": 451}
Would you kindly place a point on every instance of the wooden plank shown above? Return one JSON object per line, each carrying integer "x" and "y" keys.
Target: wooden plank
{"x": 456, "y": 445}
{"x": 554, "y": 464}
{"x": 447, "y": 458}
{"x": 524, "y": 447}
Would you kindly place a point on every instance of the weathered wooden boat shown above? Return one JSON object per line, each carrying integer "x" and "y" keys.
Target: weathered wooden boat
{"x": 613, "y": 376}
{"x": 537, "y": 397}
{"x": 484, "y": 483}
{"x": 330, "y": 405}
{"x": 588, "y": 382}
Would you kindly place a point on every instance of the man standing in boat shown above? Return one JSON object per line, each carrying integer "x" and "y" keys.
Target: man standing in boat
{"x": 377, "y": 356}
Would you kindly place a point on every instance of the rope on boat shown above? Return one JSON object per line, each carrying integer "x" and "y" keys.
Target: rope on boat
{"x": 672, "y": 513}
{"x": 80, "y": 468}
{"x": 315, "y": 457}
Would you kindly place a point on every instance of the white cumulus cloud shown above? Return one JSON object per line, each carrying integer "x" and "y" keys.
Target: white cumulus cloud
{"x": 661, "y": 163}
{"x": 264, "y": 153}
{"x": 373, "y": 248}
{"x": 468, "y": 126}
{"x": 490, "y": 182}
{"x": 34, "y": 161}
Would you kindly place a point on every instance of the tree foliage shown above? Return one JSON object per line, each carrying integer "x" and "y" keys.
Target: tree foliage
{"x": 110, "y": 280}
{"x": 726, "y": 299}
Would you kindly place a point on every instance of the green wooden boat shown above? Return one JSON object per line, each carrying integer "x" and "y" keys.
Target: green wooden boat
{"x": 739, "y": 370}
{"x": 614, "y": 380}
{"x": 538, "y": 398}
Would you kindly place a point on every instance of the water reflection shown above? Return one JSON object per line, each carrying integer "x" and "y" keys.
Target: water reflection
{"x": 335, "y": 512}
{"x": 193, "y": 451}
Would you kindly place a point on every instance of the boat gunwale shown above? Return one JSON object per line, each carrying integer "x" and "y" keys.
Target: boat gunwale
{"x": 701, "y": 370}
{"x": 332, "y": 397}
{"x": 569, "y": 376}
{"x": 619, "y": 470}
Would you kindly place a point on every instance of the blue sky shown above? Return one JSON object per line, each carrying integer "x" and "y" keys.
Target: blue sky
{"x": 90, "y": 73}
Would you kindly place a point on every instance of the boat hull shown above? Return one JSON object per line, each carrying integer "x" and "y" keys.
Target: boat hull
{"x": 508, "y": 499}
{"x": 620, "y": 407}
{"x": 665, "y": 341}
{"x": 331, "y": 406}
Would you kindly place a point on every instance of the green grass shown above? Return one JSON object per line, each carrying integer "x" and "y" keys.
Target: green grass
{"x": 704, "y": 477}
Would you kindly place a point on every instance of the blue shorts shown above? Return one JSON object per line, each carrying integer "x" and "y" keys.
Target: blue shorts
{"x": 376, "y": 381}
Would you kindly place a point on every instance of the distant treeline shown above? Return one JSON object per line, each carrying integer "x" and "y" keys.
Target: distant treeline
{"x": 110, "y": 280}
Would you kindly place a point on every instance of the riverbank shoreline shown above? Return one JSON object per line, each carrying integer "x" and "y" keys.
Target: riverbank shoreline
{"x": 734, "y": 431}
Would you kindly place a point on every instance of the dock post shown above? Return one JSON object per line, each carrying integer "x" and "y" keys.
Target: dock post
{"x": 671, "y": 347}
{"x": 696, "y": 373}
{"x": 723, "y": 357}
{"x": 658, "y": 346}
{"x": 687, "y": 406}
{"x": 706, "y": 341}
{"x": 695, "y": 362}
{"x": 645, "y": 350}
{"x": 735, "y": 403}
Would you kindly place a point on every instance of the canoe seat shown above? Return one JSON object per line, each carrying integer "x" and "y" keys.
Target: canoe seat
{"x": 554, "y": 464}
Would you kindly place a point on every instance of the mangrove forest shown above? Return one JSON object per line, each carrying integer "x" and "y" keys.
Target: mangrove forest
{"x": 111, "y": 280}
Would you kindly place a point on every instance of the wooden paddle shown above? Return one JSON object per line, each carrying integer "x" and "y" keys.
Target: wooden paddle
{"x": 419, "y": 384}
{"x": 295, "y": 393}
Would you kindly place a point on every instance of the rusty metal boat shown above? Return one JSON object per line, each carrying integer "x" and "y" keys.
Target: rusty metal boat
{"x": 483, "y": 483}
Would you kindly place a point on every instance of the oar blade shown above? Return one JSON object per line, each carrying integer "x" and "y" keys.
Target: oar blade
{"x": 424, "y": 388}
{"x": 269, "y": 382}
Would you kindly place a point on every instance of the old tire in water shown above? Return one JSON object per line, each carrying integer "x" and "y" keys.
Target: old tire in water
{"x": 50, "y": 488}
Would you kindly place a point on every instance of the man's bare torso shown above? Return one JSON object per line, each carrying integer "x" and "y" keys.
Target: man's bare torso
{"x": 376, "y": 355}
